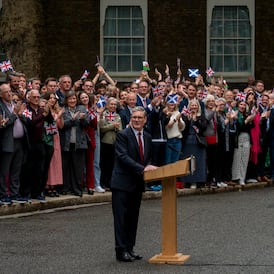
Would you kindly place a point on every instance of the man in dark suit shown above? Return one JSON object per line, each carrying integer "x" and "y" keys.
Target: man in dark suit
{"x": 125, "y": 113}
{"x": 13, "y": 146}
{"x": 133, "y": 155}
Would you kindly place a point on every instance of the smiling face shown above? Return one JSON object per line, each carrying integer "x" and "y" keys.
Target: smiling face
{"x": 84, "y": 99}
{"x": 138, "y": 119}
{"x": 72, "y": 101}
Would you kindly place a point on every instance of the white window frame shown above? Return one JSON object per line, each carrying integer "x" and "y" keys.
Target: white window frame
{"x": 122, "y": 76}
{"x": 233, "y": 76}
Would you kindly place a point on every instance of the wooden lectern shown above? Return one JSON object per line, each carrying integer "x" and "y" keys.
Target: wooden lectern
{"x": 168, "y": 174}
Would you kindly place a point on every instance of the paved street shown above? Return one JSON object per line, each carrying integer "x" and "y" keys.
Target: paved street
{"x": 223, "y": 233}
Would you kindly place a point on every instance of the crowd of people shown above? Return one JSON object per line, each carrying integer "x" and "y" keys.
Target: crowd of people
{"x": 58, "y": 137}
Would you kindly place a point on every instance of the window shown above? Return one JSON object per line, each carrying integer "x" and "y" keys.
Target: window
{"x": 123, "y": 36}
{"x": 231, "y": 38}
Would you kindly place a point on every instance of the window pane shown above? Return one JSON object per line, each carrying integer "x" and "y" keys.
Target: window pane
{"x": 124, "y": 12}
{"x": 124, "y": 46}
{"x": 111, "y": 12}
{"x": 138, "y": 46}
{"x": 244, "y": 46}
{"x": 230, "y": 13}
{"x": 244, "y": 29}
{"x": 110, "y": 62}
{"x": 217, "y": 13}
{"x": 123, "y": 27}
{"x": 124, "y": 63}
{"x": 109, "y": 46}
{"x": 230, "y": 47}
{"x": 137, "y": 62}
{"x": 244, "y": 63}
{"x": 110, "y": 28}
{"x": 230, "y": 63}
{"x": 137, "y": 28}
{"x": 243, "y": 13}
{"x": 216, "y": 28}
{"x": 216, "y": 46}
{"x": 216, "y": 62}
{"x": 230, "y": 29}
{"x": 136, "y": 12}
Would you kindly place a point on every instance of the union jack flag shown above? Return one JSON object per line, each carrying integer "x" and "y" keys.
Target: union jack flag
{"x": 205, "y": 93}
{"x": 185, "y": 111}
{"x": 91, "y": 114}
{"x": 6, "y": 65}
{"x": 110, "y": 116}
{"x": 27, "y": 113}
{"x": 193, "y": 72}
{"x": 157, "y": 91}
{"x": 240, "y": 96}
{"x": 85, "y": 75}
{"x": 253, "y": 110}
{"x": 51, "y": 129}
{"x": 210, "y": 72}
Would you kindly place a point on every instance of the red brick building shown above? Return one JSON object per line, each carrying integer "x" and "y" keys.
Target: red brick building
{"x": 233, "y": 37}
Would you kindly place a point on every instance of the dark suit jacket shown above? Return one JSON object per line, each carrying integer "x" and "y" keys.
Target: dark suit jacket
{"x": 6, "y": 132}
{"x": 128, "y": 171}
{"x": 125, "y": 116}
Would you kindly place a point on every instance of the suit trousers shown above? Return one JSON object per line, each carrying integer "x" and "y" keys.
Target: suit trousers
{"x": 11, "y": 164}
{"x": 73, "y": 162}
{"x": 125, "y": 208}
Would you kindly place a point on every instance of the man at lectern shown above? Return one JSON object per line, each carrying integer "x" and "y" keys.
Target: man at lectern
{"x": 133, "y": 155}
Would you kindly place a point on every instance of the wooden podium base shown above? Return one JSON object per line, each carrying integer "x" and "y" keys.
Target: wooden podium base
{"x": 178, "y": 258}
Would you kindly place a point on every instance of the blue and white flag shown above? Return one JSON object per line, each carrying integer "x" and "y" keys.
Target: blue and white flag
{"x": 193, "y": 72}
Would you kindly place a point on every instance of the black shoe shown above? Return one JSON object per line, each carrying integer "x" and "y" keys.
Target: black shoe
{"x": 124, "y": 257}
{"x": 135, "y": 256}
{"x": 90, "y": 191}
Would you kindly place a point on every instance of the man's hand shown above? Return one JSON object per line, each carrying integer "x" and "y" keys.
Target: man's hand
{"x": 150, "y": 167}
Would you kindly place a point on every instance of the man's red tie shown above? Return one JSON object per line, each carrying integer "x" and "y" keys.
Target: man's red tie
{"x": 141, "y": 147}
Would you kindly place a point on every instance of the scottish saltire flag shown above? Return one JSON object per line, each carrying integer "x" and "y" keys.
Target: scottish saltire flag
{"x": 193, "y": 72}
{"x": 240, "y": 96}
{"x": 172, "y": 99}
{"x": 101, "y": 102}
{"x": 185, "y": 111}
{"x": 85, "y": 75}
{"x": 51, "y": 129}
{"x": 27, "y": 113}
{"x": 210, "y": 72}
{"x": 145, "y": 66}
{"x": 110, "y": 116}
{"x": 6, "y": 66}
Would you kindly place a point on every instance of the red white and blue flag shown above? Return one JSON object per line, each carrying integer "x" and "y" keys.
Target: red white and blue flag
{"x": 157, "y": 91}
{"x": 110, "y": 116}
{"x": 27, "y": 113}
{"x": 85, "y": 75}
{"x": 185, "y": 111}
{"x": 210, "y": 72}
{"x": 240, "y": 96}
{"x": 51, "y": 129}
{"x": 6, "y": 66}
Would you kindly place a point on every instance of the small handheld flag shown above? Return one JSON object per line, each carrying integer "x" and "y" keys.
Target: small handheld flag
{"x": 85, "y": 75}
{"x": 6, "y": 66}
{"x": 172, "y": 99}
{"x": 210, "y": 72}
{"x": 146, "y": 66}
{"x": 240, "y": 96}
{"x": 193, "y": 72}
{"x": 101, "y": 102}
{"x": 185, "y": 111}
